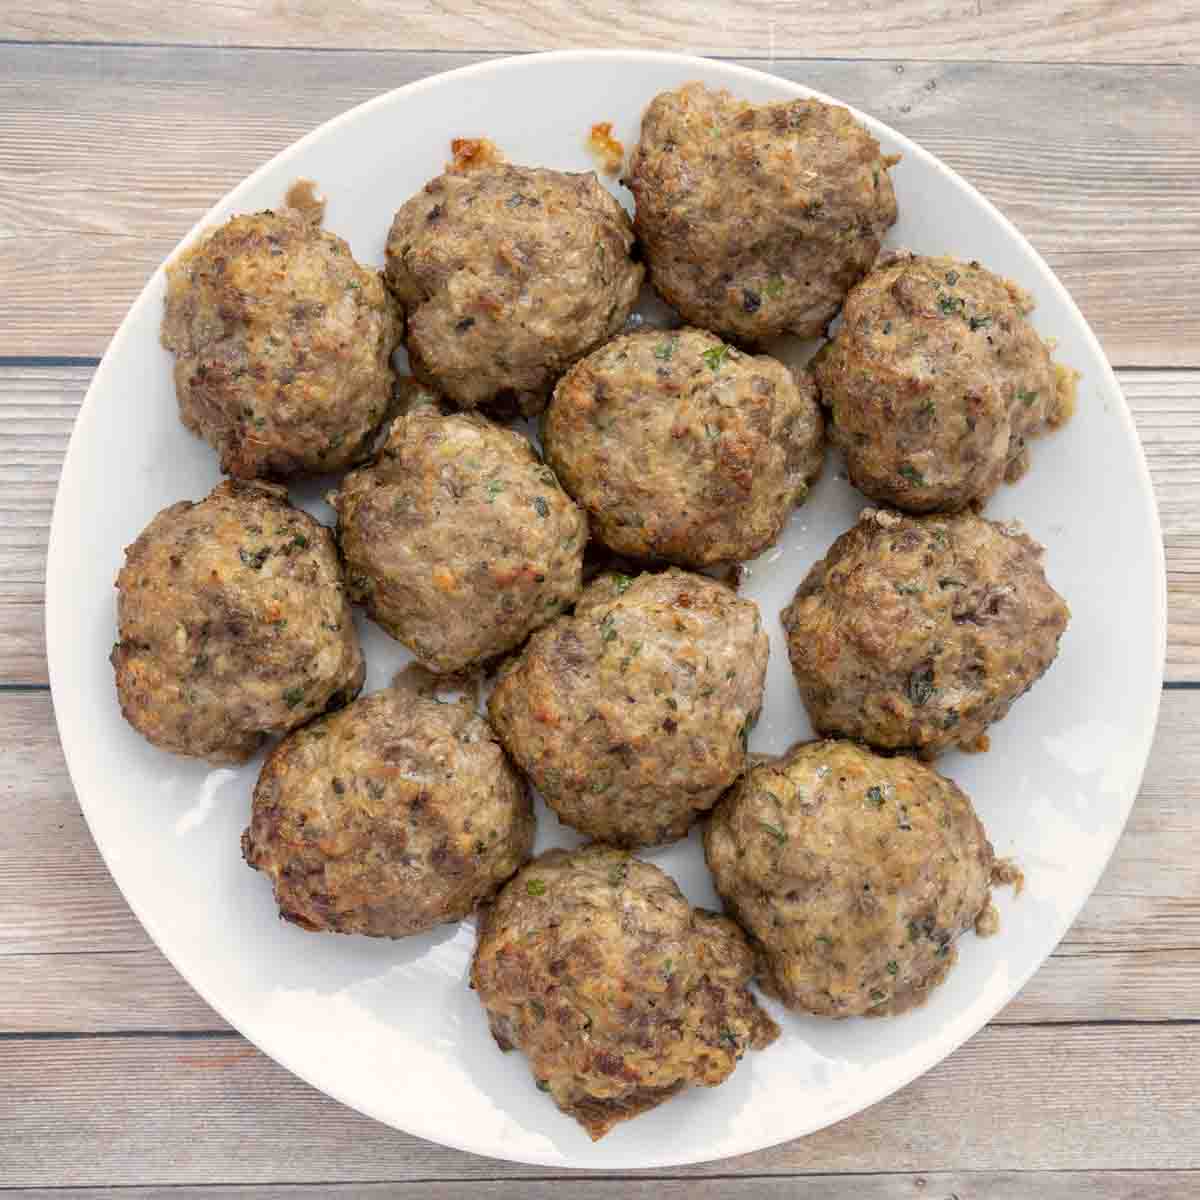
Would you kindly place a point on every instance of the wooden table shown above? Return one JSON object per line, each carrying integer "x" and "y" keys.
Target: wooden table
{"x": 121, "y": 121}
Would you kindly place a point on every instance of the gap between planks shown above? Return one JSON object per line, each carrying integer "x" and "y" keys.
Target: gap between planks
{"x": 849, "y": 1185}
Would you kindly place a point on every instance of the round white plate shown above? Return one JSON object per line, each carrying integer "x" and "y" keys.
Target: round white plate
{"x": 390, "y": 1027}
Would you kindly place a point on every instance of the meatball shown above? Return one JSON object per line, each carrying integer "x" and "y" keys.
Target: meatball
{"x": 509, "y": 274}
{"x": 853, "y": 875}
{"x": 631, "y": 717}
{"x": 683, "y": 448}
{"x": 282, "y": 346}
{"x": 935, "y": 380}
{"x": 459, "y": 538}
{"x": 391, "y": 817}
{"x": 233, "y": 624}
{"x": 919, "y": 632}
{"x": 757, "y": 220}
{"x": 618, "y": 992}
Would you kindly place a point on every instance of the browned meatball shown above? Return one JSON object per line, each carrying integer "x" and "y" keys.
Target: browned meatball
{"x": 919, "y": 632}
{"x": 508, "y": 274}
{"x": 459, "y": 538}
{"x": 395, "y": 815}
{"x": 934, "y": 381}
{"x": 853, "y": 874}
{"x": 631, "y": 717}
{"x": 620, "y": 994}
{"x": 683, "y": 448}
{"x": 232, "y": 623}
{"x": 282, "y": 344}
{"x": 757, "y": 220}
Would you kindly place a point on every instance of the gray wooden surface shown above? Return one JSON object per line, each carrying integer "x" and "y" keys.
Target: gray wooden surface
{"x": 122, "y": 121}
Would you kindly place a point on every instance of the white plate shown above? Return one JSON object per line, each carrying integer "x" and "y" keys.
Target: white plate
{"x": 390, "y": 1028}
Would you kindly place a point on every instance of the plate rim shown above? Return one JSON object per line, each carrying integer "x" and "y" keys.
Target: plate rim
{"x": 57, "y": 614}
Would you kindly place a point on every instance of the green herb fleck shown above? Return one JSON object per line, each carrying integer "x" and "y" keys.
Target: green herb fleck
{"x": 780, "y": 835}
{"x": 293, "y": 696}
{"x": 281, "y": 623}
{"x": 875, "y": 797}
{"x": 608, "y": 629}
{"x": 893, "y": 967}
{"x": 299, "y": 542}
{"x": 909, "y": 588}
{"x": 715, "y": 356}
{"x": 948, "y": 581}
{"x": 622, "y": 583}
{"x": 664, "y": 350}
{"x": 977, "y": 323}
{"x": 494, "y": 488}
{"x": 775, "y": 286}
{"x": 887, "y": 327}
{"x": 1026, "y": 398}
{"x": 535, "y": 887}
{"x": 727, "y": 1037}
{"x": 617, "y": 873}
{"x": 877, "y": 996}
{"x": 543, "y": 1085}
{"x": 928, "y": 407}
{"x": 951, "y": 305}
{"x": 668, "y": 968}
{"x": 672, "y": 704}
{"x": 825, "y": 940}
{"x": 541, "y": 507}
{"x": 912, "y": 475}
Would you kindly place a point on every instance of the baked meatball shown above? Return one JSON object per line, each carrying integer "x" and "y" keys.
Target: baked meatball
{"x": 282, "y": 346}
{"x": 395, "y": 815}
{"x": 934, "y": 381}
{"x": 683, "y": 448}
{"x": 233, "y": 624}
{"x": 618, "y": 992}
{"x": 631, "y": 717}
{"x": 852, "y": 873}
{"x": 458, "y": 538}
{"x": 509, "y": 274}
{"x": 919, "y": 632}
{"x": 757, "y": 220}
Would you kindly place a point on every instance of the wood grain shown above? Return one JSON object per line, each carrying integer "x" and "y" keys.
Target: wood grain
{"x": 1096, "y": 164}
{"x": 74, "y": 959}
{"x": 930, "y": 1185}
{"x": 38, "y": 407}
{"x": 1099, "y": 30}
{"x": 213, "y": 1110}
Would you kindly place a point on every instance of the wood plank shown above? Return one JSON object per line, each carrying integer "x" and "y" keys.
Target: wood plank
{"x": 931, "y": 1185}
{"x": 1095, "y": 163}
{"x": 1097, "y": 30}
{"x": 73, "y": 958}
{"x": 38, "y": 407}
{"x": 138, "y": 990}
{"x": 1054, "y": 1098}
